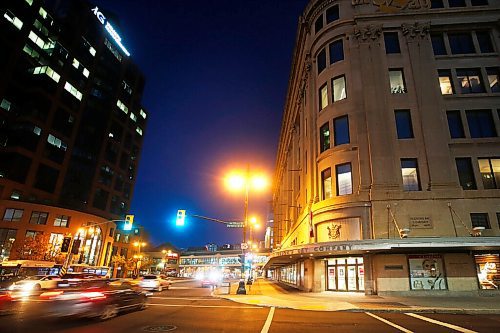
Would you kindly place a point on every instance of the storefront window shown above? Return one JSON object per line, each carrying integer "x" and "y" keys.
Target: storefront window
{"x": 426, "y": 272}
{"x": 345, "y": 274}
{"x": 488, "y": 270}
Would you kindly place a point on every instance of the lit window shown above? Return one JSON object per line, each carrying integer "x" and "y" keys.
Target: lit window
{"x": 56, "y": 142}
{"x": 76, "y": 63}
{"x": 142, "y": 113}
{"x": 37, "y": 130}
{"x": 73, "y": 91}
{"x": 465, "y": 173}
{"x": 92, "y": 51}
{"x": 122, "y": 106}
{"x": 138, "y": 130}
{"x": 29, "y": 2}
{"x": 86, "y": 72}
{"x": 133, "y": 116}
{"x": 493, "y": 76}
{"x": 16, "y": 195}
{"x": 31, "y": 52}
{"x": 13, "y": 215}
{"x": 344, "y": 179}
{"x": 470, "y": 80}
{"x": 48, "y": 71}
{"x": 326, "y": 180}
{"x": 13, "y": 19}
{"x": 339, "y": 90}
{"x": 127, "y": 88}
{"x": 42, "y": 12}
{"x": 324, "y": 138}
{"x": 5, "y": 104}
{"x": 409, "y": 172}
{"x": 39, "y": 217}
{"x": 323, "y": 97}
{"x": 490, "y": 172}
{"x": 41, "y": 43}
{"x": 397, "y": 81}
{"x": 445, "y": 82}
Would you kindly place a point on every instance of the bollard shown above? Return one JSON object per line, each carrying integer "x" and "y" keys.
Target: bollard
{"x": 241, "y": 288}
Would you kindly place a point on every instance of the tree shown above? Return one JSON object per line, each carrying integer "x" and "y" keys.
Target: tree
{"x": 34, "y": 248}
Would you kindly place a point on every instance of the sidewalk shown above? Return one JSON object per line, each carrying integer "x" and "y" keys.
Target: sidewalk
{"x": 269, "y": 293}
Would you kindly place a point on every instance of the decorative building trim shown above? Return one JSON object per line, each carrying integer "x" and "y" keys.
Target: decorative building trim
{"x": 368, "y": 33}
{"x": 417, "y": 30}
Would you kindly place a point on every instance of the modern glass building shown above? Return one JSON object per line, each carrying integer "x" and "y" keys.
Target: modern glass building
{"x": 388, "y": 169}
{"x": 71, "y": 122}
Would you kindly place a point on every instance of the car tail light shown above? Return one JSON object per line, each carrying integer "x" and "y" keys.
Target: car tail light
{"x": 5, "y": 297}
{"x": 93, "y": 295}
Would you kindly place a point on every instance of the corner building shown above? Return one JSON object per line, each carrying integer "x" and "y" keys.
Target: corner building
{"x": 71, "y": 125}
{"x": 387, "y": 176}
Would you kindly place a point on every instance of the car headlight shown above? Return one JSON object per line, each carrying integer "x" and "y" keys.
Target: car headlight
{"x": 27, "y": 287}
{"x": 11, "y": 287}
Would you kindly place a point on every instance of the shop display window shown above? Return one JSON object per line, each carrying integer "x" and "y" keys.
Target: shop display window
{"x": 427, "y": 272}
{"x": 488, "y": 270}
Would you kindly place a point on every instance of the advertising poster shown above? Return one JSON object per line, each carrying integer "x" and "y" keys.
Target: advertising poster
{"x": 426, "y": 272}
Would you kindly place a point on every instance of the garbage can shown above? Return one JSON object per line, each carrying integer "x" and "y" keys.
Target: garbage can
{"x": 241, "y": 288}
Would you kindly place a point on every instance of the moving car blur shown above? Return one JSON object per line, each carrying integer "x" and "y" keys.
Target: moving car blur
{"x": 154, "y": 282}
{"x": 33, "y": 285}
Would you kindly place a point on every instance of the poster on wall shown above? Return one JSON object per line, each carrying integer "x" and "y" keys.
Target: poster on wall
{"x": 488, "y": 270}
{"x": 426, "y": 272}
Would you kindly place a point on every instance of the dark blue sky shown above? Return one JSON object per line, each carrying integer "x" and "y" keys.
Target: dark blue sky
{"x": 216, "y": 78}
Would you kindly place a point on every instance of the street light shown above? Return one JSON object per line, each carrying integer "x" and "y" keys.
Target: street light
{"x": 253, "y": 225}
{"x": 238, "y": 181}
{"x": 139, "y": 255}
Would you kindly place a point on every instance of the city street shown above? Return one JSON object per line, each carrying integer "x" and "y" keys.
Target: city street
{"x": 187, "y": 307}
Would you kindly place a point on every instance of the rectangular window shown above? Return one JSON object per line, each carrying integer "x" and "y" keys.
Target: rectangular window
{"x": 479, "y": 2}
{"x": 61, "y": 221}
{"x": 498, "y": 219}
{"x": 480, "y": 220}
{"x": 438, "y": 44}
{"x": 404, "y": 126}
{"x": 344, "y": 179}
{"x": 321, "y": 60}
{"x": 39, "y": 217}
{"x": 5, "y": 104}
{"x": 490, "y": 172}
{"x": 484, "y": 42}
{"x": 341, "y": 130}
{"x": 32, "y": 233}
{"x": 397, "y": 81}
{"x": 456, "y": 3}
{"x": 73, "y": 91}
{"x": 324, "y": 139}
{"x": 409, "y": 171}
{"x": 117, "y": 237}
{"x": 326, "y": 180}
{"x": 445, "y": 82}
{"x": 455, "y": 124}
{"x": 470, "y": 80}
{"x": 332, "y": 14}
{"x": 336, "y": 51}
{"x": 481, "y": 123}
{"x": 339, "y": 88}
{"x": 13, "y": 215}
{"x": 461, "y": 43}
{"x": 318, "y": 25}
{"x": 391, "y": 41}
{"x": 323, "y": 97}
{"x": 466, "y": 173}
{"x": 9, "y": 16}
{"x": 437, "y": 4}
{"x": 493, "y": 76}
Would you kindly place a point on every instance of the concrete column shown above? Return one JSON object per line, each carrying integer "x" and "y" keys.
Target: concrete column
{"x": 370, "y": 287}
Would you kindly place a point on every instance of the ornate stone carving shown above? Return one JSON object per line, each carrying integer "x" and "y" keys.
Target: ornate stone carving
{"x": 368, "y": 33}
{"x": 415, "y": 30}
{"x": 304, "y": 79}
{"x": 334, "y": 231}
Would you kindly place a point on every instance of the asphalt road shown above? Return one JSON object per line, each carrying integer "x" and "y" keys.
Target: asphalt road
{"x": 187, "y": 308}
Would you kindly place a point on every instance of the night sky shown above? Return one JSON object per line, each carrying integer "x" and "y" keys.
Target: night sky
{"x": 216, "y": 78}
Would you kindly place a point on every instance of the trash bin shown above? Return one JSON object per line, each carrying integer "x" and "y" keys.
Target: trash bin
{"x": 241, "y": 288}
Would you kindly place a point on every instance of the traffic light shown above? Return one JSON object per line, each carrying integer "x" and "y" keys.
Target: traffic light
{"x": 129, "y": 220}
{"x": 181, "y": 216}
{"x": 76, "y": 246}
{"x": 65, "y": 244}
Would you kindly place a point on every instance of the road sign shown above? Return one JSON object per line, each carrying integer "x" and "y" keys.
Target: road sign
{"x": 234, "y": 224}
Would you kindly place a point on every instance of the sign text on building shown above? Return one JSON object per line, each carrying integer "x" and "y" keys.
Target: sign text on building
{"x": 109, "y": 28}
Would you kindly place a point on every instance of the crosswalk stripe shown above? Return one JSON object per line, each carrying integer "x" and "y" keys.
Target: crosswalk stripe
{"x": 268, "y": 322}
{"x": 402, "y": 329}
{"x": 206, "y": 306}
{"x": 187, "y": 299}
{"x": 437, "y": 322}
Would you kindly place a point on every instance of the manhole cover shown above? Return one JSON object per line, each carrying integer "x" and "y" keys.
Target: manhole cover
{"x": 159, "y": 328}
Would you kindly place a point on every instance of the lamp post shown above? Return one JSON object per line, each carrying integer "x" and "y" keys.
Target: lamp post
{"x": 238, "y": 181}
{"x": 138, "y": 256}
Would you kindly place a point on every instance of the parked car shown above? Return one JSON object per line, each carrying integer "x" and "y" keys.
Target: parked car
{"x": 154, "y": 282}
{"x": 99, "y": 299}
{"x": 34, "y": 284}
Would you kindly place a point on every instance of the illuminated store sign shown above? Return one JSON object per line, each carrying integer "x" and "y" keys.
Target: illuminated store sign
{"x": 109, "y": 28}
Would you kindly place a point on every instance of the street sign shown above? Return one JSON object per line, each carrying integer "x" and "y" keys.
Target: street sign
{"x": 244, "y": 246}
{"x": 234, "y": 224}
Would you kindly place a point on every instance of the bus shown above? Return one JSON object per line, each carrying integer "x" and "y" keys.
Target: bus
{"x": 14, "y": 270}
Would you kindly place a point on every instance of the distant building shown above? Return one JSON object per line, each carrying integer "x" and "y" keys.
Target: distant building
{"x": 388, "y": 169}
{"x": 71, "y": 126}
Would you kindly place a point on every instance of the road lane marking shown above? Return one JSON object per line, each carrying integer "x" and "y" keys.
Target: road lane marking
{"x": 206, "y": 306}
{"x": 187, "y": 299}
{"x": 402, "y": 329}
{"x": 268, "y": 322}
{"x": 437, "y": 322}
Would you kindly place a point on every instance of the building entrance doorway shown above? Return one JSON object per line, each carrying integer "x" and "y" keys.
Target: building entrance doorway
{"x": 345, "y": 274}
